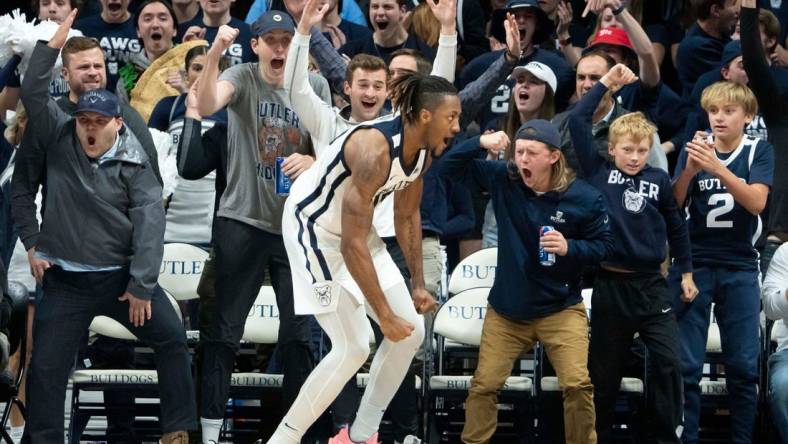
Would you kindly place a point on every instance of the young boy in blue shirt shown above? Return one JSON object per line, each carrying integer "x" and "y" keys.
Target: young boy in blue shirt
{"x": 723, "y": 182}
{"x": 630, "y": 294}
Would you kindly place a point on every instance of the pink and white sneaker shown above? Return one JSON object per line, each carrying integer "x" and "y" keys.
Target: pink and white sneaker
{"x": 343, "y": 437}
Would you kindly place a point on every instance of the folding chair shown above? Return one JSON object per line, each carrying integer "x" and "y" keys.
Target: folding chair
{"x": 88, "y": 384}
{"x": 17, "y": 336}
{"x": 460, "y": 320}
{"x": 476, "y": 270}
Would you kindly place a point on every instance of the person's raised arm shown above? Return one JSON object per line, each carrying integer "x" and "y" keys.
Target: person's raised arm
{"x": 366, "y": 154}
{"x": 44, "y": 112}
{"x": 463, "y": 160}
{"x": 565, "y": 16}
{"x": 580, "y": 118}
{"x": 213, "y": 94}
{"x": 445, "y": 62}
{"x": 317, "y": 116}
{"x": 761, "y": 80}
{"x": 649, "y": 69}
{"x": 479, "y": 92}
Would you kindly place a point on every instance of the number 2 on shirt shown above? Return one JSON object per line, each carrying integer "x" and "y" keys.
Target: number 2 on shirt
{"x": 713, "y": 217}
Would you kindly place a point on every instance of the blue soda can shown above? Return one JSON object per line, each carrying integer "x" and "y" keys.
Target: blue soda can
{"x": 282, "y": 181}
{"x": 545, "y": 258}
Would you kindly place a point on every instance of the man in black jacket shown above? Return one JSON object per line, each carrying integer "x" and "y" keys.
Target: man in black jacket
{"x": 100, "y": 246}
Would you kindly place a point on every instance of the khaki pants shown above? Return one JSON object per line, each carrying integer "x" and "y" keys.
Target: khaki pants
{"x": 565, "y": 337}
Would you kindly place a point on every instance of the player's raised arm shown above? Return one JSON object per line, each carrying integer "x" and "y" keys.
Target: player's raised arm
{"x": 366, "y": 155}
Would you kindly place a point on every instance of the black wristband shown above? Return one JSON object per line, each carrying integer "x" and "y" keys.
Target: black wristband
{"x": 619, "y": 10}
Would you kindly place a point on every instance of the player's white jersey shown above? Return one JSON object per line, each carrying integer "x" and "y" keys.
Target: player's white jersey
{"x": 318, "y": 193}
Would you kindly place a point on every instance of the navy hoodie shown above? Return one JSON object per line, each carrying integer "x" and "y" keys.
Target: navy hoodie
{"x": 523, "y": 288}
{"x": 643, "y": 212}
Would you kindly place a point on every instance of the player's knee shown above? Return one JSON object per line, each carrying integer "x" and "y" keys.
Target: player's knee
{"x": 417, "y": 336}
{"x": 356, "y": 352}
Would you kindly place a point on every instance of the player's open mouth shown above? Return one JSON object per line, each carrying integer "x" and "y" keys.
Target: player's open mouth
{"x": 368, "y": 104}
{"x": 114, "y": 7}
{"x": 382, "y": 25}
{"x": 91, "y": 140}
{"x": 156, "y": 36}
{"x": 277, "y": 63}
{"x": 522, "y": 34}
{"x": 526, "y": 173}
{"x": 523, "y": 95}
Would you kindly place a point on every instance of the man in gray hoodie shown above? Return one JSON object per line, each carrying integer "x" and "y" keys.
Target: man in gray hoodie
{"x": 98, "y": 251}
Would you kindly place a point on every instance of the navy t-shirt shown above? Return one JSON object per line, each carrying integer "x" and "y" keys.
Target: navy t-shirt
{"x": 722, "y": 232}
{"x": 241, "y": 49}
{"x": 367, "y": 45}
{"x": 499, "y": 104}
{"x": 118, "y": 41}
{"x": 698, "y": 53}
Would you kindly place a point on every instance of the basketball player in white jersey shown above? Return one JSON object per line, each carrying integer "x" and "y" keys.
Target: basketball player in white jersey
{"x": 341, "y": 269}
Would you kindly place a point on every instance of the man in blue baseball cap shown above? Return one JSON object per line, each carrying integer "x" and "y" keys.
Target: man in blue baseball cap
{"x": 261, "y": 127}
{"x": 98, "y": 250}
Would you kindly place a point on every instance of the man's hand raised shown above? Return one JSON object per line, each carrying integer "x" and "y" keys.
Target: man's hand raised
{"x": 314, "y": 11}
{"x": 446, "y": 13}
{"x": 224, "y": 38}
{"x": 61, "y": 35}
{"x": 617, "y": 77}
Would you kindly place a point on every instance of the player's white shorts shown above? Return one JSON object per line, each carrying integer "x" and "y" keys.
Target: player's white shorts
{"x": 319, "y": 269}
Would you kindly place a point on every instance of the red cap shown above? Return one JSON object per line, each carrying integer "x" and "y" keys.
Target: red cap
{"x": 612, "y": 35}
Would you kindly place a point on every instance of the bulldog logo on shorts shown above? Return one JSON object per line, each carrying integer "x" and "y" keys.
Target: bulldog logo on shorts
{"x": 633, "y": 201}
{"x": 323, "y": 294}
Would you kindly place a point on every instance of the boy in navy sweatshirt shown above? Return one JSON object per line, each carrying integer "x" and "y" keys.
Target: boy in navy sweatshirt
{"x": 723, "y": 182}
{"x": 630, "y": 294}
{"x": 530, "y": 301}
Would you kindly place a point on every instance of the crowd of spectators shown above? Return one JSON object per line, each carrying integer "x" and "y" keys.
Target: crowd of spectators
{"x": 213, "y": 91}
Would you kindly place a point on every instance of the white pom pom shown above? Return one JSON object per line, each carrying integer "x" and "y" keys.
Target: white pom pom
{"x": 18, "y": 36}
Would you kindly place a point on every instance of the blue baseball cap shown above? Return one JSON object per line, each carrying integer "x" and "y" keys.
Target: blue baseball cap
{"x": 730, "y": 52}
{"x": 271, "y": 21}
{"x": 99, "y": 101}
{"x": 540, "y": 130}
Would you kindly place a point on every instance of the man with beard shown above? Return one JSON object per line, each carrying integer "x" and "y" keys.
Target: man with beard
{"x": 247, "y": 230}
{"x": 114, "y": 29}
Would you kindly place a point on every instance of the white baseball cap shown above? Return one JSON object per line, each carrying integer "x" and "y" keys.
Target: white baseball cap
{"x": 540, "y": 71}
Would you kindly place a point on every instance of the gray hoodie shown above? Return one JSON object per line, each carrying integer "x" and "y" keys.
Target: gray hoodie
{"x": 96, "y": 214}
